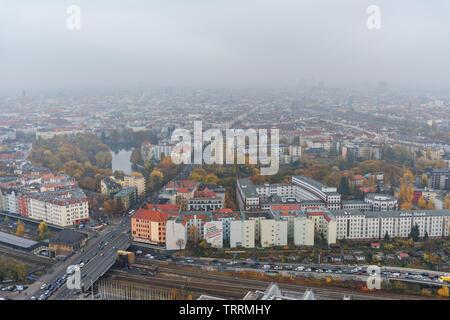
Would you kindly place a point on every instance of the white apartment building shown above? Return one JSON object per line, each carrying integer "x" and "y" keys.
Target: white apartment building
{"x": 324, "y": 223}
{"x": 381, "y": 202}
{"x": 302, "y": 189}
{"x": 11, "y": 202}
{"x": 242, "y": 233}
{"x": 176, "y": 235}
{"x": 273, "y": 232}
{"x": 354, "y": 224}
{"x": 311, "y": 190}
{"x": 59, "y": 208}
{"x": 303, "y": 231}
{"x": 205, "y": 204}
{"x": 283, "y": 190}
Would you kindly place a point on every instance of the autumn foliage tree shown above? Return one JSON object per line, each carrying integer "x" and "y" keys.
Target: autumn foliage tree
{"x": 44, "y": 231}
{"x": 83, "y": 157}
{"x": 447, "y": 202}
{"x": 406, "y": 192}
{"x": 443, "y": 292}
{"x": 155, "y": 180}
{"x": 422, "y": 203}
{"x": 20, "y": 228}
{"x": 194, "y": 235}
{"x": 111, "y": 207}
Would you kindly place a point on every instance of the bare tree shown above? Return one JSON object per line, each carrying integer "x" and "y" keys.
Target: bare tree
{"x": 180, "y": 243}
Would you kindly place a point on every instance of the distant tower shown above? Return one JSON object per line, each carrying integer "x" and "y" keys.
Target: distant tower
{"x": 22, "y": 99}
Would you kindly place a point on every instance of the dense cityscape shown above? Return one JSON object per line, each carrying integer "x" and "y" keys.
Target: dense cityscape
{"x": 104, "y": 197}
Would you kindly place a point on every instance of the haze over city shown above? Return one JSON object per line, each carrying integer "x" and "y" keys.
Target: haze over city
{"x": 233, "y": 43}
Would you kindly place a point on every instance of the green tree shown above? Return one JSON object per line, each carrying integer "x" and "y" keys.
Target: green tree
{"x": 344, "y": 187}
{"x": 415, "y": 233}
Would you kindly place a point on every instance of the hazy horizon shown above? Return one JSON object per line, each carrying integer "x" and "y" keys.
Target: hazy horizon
{"x": 253, "y": 43}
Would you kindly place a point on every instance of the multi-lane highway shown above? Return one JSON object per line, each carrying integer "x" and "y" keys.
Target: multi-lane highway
{"x": 97, "y": 262}
{"x": 98, "y": 255}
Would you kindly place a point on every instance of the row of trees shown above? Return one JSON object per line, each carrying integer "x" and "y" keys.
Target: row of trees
{"x": 44, "y": 231}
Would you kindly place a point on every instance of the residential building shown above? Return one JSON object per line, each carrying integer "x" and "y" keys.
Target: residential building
{"x": 324, "y": 223}
{"x": 149, "y": 225}
{"x": 135, "y": 181}
{"x": 205, "y": 200}
{"x": 303, "y": 231}
{"x": 110, "y": 186}
{"x": 273, "y": 232}
{"x": 381, "y": 202}
{"x": 61, "y": 208}
{"x": 354, "y": 224}
{"x": 242, "y": 233}
{"x": 127, "y": 197}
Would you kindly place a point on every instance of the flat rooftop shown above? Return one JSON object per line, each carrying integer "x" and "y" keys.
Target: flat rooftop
{"x": 16, "y": 241}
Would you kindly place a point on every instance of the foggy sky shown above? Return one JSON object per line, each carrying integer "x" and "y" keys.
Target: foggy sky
{"x": 222, "y": 43}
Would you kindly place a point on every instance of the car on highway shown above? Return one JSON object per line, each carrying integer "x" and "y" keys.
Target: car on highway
{"x": 336, "y": 270}
{"x": 277, "y": 268}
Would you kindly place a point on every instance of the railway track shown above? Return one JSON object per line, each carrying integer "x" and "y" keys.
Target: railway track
{"x": 26, "y": 257}
{"x": 226, "y": 288}
{"x": 330, "y": 293}
{"x": 222, "y": 290}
